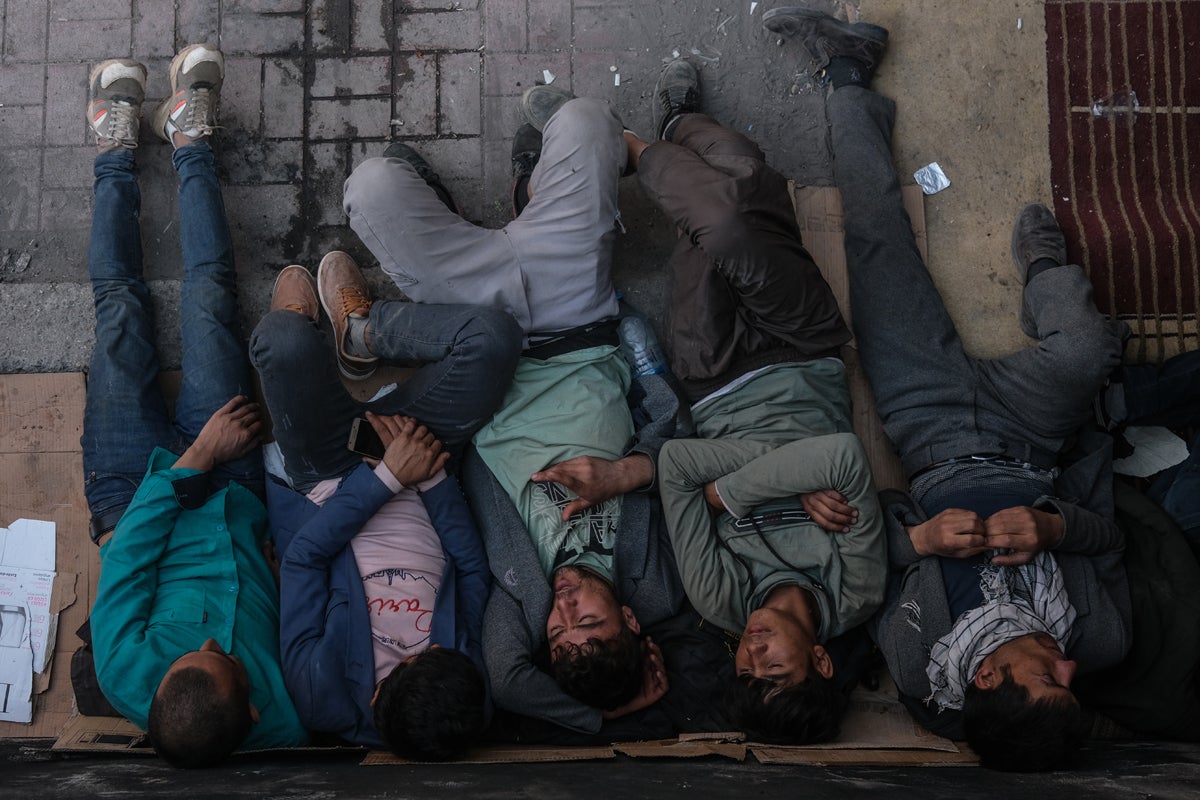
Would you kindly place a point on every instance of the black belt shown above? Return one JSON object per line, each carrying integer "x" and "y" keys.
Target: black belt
{"x": 556, "y": 343}
{"x": 982, "y": 458}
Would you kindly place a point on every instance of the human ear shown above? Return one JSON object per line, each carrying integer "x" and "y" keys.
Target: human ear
{"x": 986, "y": 677}
{"x": 822, "y": 662}
{"x": 630, "y": 618}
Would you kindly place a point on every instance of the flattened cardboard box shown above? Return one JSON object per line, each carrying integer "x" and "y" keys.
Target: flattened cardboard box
{"x": 41, "y": 478}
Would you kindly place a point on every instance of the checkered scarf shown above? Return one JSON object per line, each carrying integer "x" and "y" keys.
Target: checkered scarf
{"x": 1017, "y": 601}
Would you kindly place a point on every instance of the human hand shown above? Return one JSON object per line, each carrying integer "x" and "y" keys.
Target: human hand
{"x": 713, "y": 497}
{"x": 413, "y": 454}
{"x": 830, "y": 509}
{"x": 231, "y": 432}
{"x": 595, "y": 480}
{"x": 954, "y": 533}
{"x": 654, "y": 682}
{"x": 1023, "y": 530}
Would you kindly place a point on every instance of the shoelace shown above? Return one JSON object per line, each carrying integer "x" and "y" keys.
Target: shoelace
{"x": 352, "y": 301}
{"x": 123, "y": 123}
{"x": 202, "y": 110}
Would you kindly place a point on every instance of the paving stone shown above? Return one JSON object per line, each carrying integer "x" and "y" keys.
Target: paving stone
{"x": 433, "y": 5}
{"x": 261, "y": 219}
{"x": 66, "y": 85}
{"x": 66, "y": 208}
{"x": 504, "y": 26}
{"x": 90, "y": 39}
{"x": 606, "y": 25}
{"x": 496, "y": 191}
{"x": 459, "y": 76}
{"x": 196, "y": 21}
{"x": 549, "y": 24}
{"x": 22, "y": 171}
{"x": 262, "y": 6}
{"x": 249, "y": 160}
{"x": 261, "y": 34}
{"x": 283, "y": 101}
{"x": 20, "y": 125}
{"x": 23, "y": 85}
{"x": 327, "y": 170}
{"x": 415, "y": 96}
{"x": 365, "y": 117}
{"x": 372, "y": 26}
{"x": 513, "y": 73}
{"x": 502, "y": 116}
{"x": 25, "y": 30}
{"x": 153, "y": 28}
{"x": 340, "y": 77}
{"x": 331, "y": 22}
{"x": 68, "y": 167}
{"x": 241, "y": 94}
{"x": 88, "y": 9}
{"x": 159, "y": 184}
{"x": 445, "y": 30}
{"x": 592, "y": 76}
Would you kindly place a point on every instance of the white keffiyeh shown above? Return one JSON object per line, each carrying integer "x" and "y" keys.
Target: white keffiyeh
{"x": 1017, "y": 601}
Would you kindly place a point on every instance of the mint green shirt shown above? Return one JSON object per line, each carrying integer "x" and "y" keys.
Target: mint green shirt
{"x": 170, "y": 578}
{"x": 565, "y": 406}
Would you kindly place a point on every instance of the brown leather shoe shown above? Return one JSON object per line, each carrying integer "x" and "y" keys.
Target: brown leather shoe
{"x": 344, "y": 294}
{"x": 296, "y": 290}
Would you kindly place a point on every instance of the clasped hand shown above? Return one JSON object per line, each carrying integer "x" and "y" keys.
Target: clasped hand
{"x": 595, "y": 480}
{"x": 412, "y": 453}
{"x": 958, "y": 533}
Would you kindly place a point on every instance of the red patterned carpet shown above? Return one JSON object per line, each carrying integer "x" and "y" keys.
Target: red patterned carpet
{"x": 1125, "y": 182}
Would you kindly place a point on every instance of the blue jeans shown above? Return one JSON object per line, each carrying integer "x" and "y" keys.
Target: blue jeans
{"x": 469, "y": 356}
{"x": 126, "y": 417}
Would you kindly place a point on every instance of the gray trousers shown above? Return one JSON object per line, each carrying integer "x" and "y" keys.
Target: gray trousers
{"x": 935, "y": 401}
{"x": 550, "y": 267}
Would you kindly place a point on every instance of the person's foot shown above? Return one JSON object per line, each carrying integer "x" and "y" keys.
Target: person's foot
{"x": 118, "y": 87}
{"x": 539, "y": 103}
{"x": 526, "y": 150}
{"x": 424, "y": 172}
{"x": 677, "y": 92}
{"x": 1037, "y": 244}
{"x": 347, "y": 300}
{"x": 190, "y": 113}
{"x": 829, "y": 39}
{"x": 296, "y": 290}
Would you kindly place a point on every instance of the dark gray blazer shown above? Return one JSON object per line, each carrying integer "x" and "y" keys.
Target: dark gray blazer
{"x": 916, "y": 613}
{"x": 647, "y": 581}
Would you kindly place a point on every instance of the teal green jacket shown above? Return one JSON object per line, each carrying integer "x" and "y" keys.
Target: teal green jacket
{"x": 171, "y": 578}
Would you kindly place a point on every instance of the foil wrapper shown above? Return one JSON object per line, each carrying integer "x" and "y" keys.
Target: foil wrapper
{"x": 931, "y": 179}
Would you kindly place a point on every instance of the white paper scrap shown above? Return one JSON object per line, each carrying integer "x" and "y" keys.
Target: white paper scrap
{"x": 617, "y": 79}
{"x": 1154, "y": 449}
{"x": 752, "y": 7}
{"x": 931, "y": 178}
{"x": 548, "y": 76}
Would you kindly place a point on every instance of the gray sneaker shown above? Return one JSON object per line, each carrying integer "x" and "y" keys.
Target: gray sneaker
{"x": 118, "y": 87}
{"x": 827, "y": 37}
{"x": 197, "y": 73}
{"x": 676, "y": 92}
{"x": 1035, "y": 235}
{"x": 539, "y": 103}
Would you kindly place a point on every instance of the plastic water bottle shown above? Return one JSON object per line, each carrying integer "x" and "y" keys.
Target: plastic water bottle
{"x": 640, "y": 346}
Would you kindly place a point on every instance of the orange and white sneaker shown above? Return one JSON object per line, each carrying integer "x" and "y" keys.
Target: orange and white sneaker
{"x": 118, "y": 87}
{"x": 197, "y": 73}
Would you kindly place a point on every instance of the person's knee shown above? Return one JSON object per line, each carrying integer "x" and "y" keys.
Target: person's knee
{"x": 584, "y": 117}
{"x": 495, "y": 335}
{"x": 373, "y": 181}
{"x": 281, "y": 337}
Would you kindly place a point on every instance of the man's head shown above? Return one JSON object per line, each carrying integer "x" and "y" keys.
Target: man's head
{"x": 784, "y": 690}
{"x": 431, "y": 706}
{"x": 1018, "y": 712}
{"x": 201, "y": 710}
{"x": 595, "y": 642}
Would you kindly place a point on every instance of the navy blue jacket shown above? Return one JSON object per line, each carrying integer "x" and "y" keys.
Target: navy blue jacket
{"x": 325, "y": 630}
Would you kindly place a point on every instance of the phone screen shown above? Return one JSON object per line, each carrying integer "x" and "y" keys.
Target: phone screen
{"x": 364, "y": 440}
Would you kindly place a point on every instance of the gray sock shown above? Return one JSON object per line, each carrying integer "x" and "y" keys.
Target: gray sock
{"x": 356, "y": 337}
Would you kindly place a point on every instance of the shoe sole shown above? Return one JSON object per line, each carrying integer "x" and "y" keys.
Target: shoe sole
{"x": 347, "y": 365}
{"x": 863, "y": 30}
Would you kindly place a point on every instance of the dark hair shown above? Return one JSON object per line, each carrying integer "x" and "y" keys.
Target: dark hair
{"x": 804, "y": 713}
{"x": 604, "y": 673}
{"x": 432, "y": 707}
{"x": 192, "y": 724}
{"x": 1010, "y": 731}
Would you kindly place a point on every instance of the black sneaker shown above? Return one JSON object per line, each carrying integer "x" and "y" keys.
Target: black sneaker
{"x": 827, "y": 37}
{"x": 676, "y": 92}
{"x": 526, "y": 150}
{"x": 1035, "y": 236}
{"x": 539, "y": 103}
{"x": 421, "y": 166}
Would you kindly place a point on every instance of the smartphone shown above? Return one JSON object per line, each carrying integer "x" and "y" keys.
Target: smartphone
{"x": 364, "y": 440}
